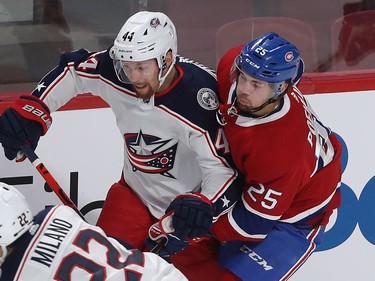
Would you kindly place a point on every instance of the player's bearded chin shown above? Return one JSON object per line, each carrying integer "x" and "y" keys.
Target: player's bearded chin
{"x": 144, "y": 92}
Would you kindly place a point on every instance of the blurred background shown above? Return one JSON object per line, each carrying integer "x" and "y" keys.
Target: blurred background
{"x": 334, "y": 35}
{"x": 336, "y": 39}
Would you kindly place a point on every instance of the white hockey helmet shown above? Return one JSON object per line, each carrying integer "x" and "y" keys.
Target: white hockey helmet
{"x": 145, "y": 35}
{"x": 15, "y": 216}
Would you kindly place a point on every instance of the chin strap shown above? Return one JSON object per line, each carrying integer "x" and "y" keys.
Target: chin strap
{"x": 269, "y": 101}
{"x": 5, "y": 253}
{"x": 162, "y": 78}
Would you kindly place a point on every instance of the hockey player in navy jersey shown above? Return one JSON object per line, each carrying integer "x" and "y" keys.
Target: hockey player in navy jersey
{"x": 290, "y": 160}
{"x": 57, "y": 244}
{"x": 165, "y": 107}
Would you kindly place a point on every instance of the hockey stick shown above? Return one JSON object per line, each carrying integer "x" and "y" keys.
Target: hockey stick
{"x": 160, "y": 245}
{"x": 158, "y": 232}
{"x": 50, "y": 180}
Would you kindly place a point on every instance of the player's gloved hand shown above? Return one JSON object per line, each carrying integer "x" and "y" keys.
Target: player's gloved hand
{"x": 162, "y": 231}
{"x": 24, "y": 121}
{"x": 192, "y": 215}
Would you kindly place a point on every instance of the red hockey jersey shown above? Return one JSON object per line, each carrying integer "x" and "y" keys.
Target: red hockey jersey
{"x": 290, "y": 160}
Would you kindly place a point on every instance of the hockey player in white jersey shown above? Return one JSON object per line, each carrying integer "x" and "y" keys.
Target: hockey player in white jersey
{"x": 57, "y": 244}
{"x": 174, "y": 150}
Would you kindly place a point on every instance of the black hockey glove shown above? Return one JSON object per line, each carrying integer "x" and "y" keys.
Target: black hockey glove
{"x": 162, "y": 232}
{"x": 24, "y": 121}
{"x": 192, "y": 215}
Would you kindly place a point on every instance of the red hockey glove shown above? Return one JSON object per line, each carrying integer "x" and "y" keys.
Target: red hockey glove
{"x": 24, "y": 121}
{"x": 192, "y": 215}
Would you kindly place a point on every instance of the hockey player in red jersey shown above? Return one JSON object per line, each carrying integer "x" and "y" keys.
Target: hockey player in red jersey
{"x": 290, "y": 161}
{"x": 57, "y": 244}
{"x": 165, "y": 108}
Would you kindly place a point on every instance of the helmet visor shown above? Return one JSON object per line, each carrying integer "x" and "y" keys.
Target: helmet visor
{"x": 130, "y": 72}
{"x": 236, "y": 74}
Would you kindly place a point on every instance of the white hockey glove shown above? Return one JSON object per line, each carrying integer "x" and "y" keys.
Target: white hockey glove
{"x": 161, "y": 239}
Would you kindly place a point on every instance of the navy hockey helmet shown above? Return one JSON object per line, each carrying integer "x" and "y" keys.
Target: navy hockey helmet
{"x": 272, "y": 59}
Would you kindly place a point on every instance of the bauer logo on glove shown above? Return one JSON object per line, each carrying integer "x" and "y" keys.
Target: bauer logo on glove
{"x": 46, "y": 118}
{"x": 24, "y": 122}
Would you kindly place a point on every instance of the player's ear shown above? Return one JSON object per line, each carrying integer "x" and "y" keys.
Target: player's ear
{"x": 284, "y": 87}
{"x": 168, "y": 59}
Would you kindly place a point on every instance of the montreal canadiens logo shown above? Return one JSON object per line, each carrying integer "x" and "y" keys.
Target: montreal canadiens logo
{"x": 289, "y": 56}
{"x": 207, "y": 99}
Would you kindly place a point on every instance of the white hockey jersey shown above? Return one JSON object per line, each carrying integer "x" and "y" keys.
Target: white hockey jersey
{"x": 173, "y": 144}
{"x": 61, "y": 246}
